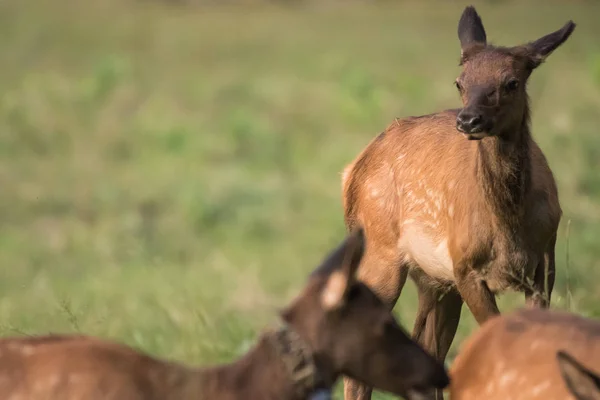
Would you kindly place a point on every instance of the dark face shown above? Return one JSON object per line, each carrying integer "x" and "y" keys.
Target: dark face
{"x": 369, "y": 345}
{"x": 492, "y": 82}
{"x": 492, "y": 89}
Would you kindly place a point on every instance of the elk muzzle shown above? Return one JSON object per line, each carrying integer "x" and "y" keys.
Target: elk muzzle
{"x": 428, "y": 374}
{"x": 476, "y": 119}
{"x": 473, "y": 124}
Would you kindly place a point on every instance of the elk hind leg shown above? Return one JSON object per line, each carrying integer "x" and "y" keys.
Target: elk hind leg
{"x": 386, "y": 279}
{"x": 436, "y": 322}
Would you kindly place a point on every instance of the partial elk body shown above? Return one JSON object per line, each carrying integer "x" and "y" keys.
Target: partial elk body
{"x": 337, "y": 325}
{"x": 530, "y": 354}
{"x": 462, "y": 201}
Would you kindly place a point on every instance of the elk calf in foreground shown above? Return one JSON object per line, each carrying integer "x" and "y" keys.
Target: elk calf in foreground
{"x": 529, "y": 354}
{"x": 462, "y": 200}
{"x": 335, "y": 326}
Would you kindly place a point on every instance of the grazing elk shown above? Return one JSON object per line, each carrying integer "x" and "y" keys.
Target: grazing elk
{"x": 462, "y": 200}
{"x": 337, "y": 325}
{"x": 530, "y": 354}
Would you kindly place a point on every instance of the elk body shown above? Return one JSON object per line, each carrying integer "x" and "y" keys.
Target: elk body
{"x": 335, "y": 326}
{"x": 529, "y": 354}
{"x": 462, "y": 200}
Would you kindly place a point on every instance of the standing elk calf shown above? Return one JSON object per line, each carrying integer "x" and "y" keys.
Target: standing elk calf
{"x": 337, "y": 325}
{"x": 530, "y": 354}
{"x": 462, "y": 200}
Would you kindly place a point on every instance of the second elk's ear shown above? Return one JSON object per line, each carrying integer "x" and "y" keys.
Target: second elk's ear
{"x": 343, "y": 275}
{"x": 580, "y": 381}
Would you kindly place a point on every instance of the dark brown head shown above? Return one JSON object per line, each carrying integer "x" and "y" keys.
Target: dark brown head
{"x": 582, "y": 383}
{"x": 353, "y": 333}
{"x": 493, "y": 81}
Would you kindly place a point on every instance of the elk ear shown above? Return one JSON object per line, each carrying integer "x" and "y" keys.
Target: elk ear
{"x": 580, "y": 381}
{"x": 342, "y": 276}
{"x": 540, "y": 49}
{"x": 470, "y": 30}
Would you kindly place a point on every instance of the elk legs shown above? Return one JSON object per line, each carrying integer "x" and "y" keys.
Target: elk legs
{"x": 476, "y": 294}
{"x": 543, "y": 280}
{"x": 436, "y": 322}
{"x": 386, "y": 279}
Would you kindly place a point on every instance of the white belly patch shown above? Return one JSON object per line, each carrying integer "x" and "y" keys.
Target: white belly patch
{"x": 430, "y": 255}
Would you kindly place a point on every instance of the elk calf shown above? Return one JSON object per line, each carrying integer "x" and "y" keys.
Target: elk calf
{"x": 335, "y": 326}
{"x": 529, "y": 354}
{"x": 462, "y": 200}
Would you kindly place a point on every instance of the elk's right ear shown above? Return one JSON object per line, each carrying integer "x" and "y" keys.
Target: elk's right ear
{"x": 470, "y": 30}
{"x": 343, "y": 275}
{"x": 544, "y": 46}
{"x": 580, "y": 381}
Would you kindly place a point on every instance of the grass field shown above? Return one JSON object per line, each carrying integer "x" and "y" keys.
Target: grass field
{"x": 169, "y": 175}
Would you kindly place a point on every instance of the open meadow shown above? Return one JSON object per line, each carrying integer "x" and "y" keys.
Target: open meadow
{"x": 170, "y": 173}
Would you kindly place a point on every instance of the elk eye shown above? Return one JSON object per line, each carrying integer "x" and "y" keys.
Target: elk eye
{"x": 458, "y": 86}
{"x": 511, "y": 85}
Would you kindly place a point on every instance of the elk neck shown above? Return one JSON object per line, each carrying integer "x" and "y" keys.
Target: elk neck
{"x": 503, "y": 170}
{"x": 280, "y": 366}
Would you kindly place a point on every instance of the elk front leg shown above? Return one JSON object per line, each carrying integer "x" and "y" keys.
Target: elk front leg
{"x": 543, "y": 280}
{"x": 476, "y": 294}
{"x": 386, "y": 279}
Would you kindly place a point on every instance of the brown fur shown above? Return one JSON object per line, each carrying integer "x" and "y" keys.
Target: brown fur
{"x": 468, "y": 215}
{"x": 529, "y": 354}
{"x": 336, "y": 325}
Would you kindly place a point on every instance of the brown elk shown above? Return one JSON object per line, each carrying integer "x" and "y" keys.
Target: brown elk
{"x": 462, "y": 200}
{"x": 337, "y": 325}
{"x": 529, "y": 354}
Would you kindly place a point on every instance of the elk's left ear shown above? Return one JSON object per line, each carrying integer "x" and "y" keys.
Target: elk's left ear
{"x": 343, "y": 275}
{"x": 540, "y": 49}
{"x": 471, "y": 32}
{"x": 580, "y": 381}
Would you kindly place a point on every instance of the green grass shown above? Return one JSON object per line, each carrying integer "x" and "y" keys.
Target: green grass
{"x": 170, "y": 175}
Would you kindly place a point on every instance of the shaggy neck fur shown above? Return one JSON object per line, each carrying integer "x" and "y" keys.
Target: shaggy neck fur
{"x": 280, "y": 366}
{"x": 504, "y": 171}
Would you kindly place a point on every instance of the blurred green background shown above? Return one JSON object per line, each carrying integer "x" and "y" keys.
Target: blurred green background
{"x": 170, "y": 171}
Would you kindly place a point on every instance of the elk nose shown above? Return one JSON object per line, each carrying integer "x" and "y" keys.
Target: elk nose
{"x": 442, "y": 379}
{"x": 469, "y": 122}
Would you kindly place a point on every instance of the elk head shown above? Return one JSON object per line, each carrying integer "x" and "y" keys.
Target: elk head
{"x": 493, "y": 80}
{"x": 351, "y": 330}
